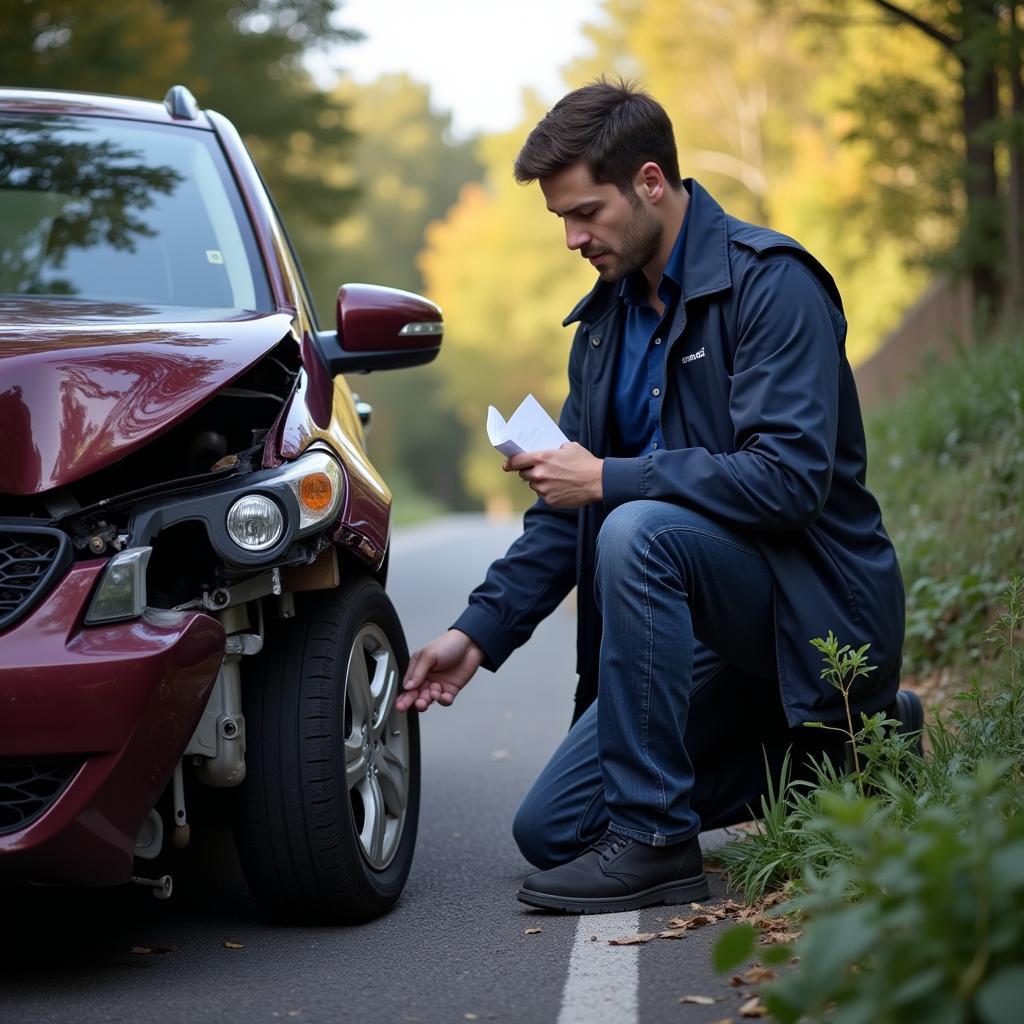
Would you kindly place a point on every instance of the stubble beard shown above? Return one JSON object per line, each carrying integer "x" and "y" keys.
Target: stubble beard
{"x": 641, "y": 238}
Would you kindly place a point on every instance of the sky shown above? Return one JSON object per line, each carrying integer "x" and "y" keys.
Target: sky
{"x": 476, "y": 55}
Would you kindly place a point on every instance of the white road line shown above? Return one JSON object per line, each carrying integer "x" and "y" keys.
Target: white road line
{"x": 602, "y": 983}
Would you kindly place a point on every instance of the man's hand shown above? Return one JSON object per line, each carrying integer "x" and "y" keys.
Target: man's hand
{"x": 566, "y": 477}
{"x": 439, "y": 671}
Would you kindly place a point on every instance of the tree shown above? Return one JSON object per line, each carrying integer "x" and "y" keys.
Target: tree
{"x": 241, "y": 57}
{"x": 978, "y": 49}
{"x": 498, "y": 266}
{"x": 755, "y": 98}
{"x": 408, "y": 171}
{"x": 135, "y": 47}
{"x": 732, "y": 80}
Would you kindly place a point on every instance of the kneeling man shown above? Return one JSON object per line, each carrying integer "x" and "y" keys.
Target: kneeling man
{"x": 711, "y": 509}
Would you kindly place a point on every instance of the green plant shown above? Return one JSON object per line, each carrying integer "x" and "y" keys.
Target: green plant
{"x": 909, "y": 876}
{"x": 937, "y": 930}
{"x": 843, "y": 667}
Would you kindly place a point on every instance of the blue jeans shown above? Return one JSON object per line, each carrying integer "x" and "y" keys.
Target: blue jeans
{"x": 688, "y": 715}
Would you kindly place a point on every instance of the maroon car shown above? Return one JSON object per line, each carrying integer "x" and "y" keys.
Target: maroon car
{"x": 193, "y": 542}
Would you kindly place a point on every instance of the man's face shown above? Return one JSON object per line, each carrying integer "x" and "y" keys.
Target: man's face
{"x": 617, "y": 236}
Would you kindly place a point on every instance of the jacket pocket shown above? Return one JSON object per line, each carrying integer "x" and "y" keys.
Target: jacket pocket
{"x": 822, "y": 543}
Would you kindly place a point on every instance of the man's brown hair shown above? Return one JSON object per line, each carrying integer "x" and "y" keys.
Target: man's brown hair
{"x": 614, "y": 127}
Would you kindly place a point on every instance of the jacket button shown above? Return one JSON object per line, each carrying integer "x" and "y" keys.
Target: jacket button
{"x": 655, "y": 392}
{"x": 595, "y": 341}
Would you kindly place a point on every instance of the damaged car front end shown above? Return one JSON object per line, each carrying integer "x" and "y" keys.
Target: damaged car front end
{"x": 193, "y": 541}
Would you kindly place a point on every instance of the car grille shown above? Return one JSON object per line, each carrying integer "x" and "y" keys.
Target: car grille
{"x": 32, "y": 558}
{"x": 28, "y": 787}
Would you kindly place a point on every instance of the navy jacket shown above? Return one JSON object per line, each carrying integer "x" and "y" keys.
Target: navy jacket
{"x": 763, "y": 433}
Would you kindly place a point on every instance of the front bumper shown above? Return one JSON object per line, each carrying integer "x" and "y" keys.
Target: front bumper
{"x": 114, "y": 706}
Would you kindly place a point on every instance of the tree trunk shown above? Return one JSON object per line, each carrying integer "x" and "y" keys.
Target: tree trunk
{"x": 1015, "y": 181}
{"x": 984, "y": 240}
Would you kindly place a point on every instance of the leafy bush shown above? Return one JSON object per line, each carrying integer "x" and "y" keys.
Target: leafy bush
{"x": 947, "y": 465}
{"x": 936, "y": 932}
{"x": 908, "y": 871}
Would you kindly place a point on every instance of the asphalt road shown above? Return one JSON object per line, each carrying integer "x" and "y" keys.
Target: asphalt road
{"x": 454, "y": 949}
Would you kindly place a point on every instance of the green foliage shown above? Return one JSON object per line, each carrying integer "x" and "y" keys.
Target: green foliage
{"x": 909, "y": 876}
{"x": 947, "y": 465}
{"x": 241, "y": 57}
{"x": 937, "y": 931}
{"x": 735, "y": 947}
{"x": 408, "y": 171}
{"x": 135, "y": 47}
{"x": 498, "y": 266}
{"x": 843, "y": 667}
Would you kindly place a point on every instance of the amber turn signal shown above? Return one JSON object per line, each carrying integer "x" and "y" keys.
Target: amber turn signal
{"x": 316, "y": 491}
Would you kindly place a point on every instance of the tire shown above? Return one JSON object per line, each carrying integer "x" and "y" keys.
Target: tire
{"x": 316, "y": 784}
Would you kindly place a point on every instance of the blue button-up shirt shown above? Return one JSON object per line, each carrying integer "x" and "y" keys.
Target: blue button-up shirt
{"x": 640, "y": 377}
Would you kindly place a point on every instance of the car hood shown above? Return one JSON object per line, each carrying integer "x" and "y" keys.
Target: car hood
{"x": 74, "y": 399}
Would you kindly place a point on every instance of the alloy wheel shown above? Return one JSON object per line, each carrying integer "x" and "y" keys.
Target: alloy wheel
{"x": 376, "y": 746}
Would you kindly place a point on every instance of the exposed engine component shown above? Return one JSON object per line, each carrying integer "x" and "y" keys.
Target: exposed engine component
{"x": 217, "y": 747}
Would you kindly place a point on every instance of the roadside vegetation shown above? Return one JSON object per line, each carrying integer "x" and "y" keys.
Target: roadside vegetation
{"x": 947, "y": 465}
{"x": 906, "y": 873}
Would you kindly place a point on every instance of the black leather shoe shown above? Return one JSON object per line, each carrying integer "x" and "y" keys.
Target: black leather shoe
{"x": 618, "y": 873}
{"x": 908, "y": 711}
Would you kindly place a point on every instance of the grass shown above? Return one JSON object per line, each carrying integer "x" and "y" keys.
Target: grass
{"x": 947, "y": 465}
{"x": 908, "y": 872}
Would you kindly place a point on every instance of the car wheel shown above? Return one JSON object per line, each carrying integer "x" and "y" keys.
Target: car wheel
{"x": 328, "y": 811}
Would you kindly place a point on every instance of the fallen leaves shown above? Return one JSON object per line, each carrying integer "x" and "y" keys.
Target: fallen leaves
{"x": 679, "y": 926}
{"x": 753, "y": 1008}
{"x": 699, "y": 1000}
{"x": 772, "y": 937}
{"x": 233, "y": 945}
{"x": 146, "y": 950}
{"x": 533, "y": 931}
{"x": 633, "y": 940}
{"x": 757, "y": 974}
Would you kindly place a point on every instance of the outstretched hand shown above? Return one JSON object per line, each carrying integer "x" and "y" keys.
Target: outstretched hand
{"x": 439, "y": 671}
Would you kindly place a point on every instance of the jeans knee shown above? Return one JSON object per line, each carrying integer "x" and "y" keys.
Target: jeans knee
{"x": 625, "y": 534}
{"x": 530, "y": 834}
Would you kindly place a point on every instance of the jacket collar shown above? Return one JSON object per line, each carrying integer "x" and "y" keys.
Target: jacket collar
{"x": 705, "y": 259}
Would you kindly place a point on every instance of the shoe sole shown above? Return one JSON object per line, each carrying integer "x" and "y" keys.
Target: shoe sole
{"x": 686, "y": 890}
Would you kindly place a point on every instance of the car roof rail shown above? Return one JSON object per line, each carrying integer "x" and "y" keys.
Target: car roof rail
{"x": 180, "y": 103}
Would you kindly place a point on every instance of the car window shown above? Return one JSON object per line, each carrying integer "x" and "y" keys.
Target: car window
{"x": 124, "y": 212}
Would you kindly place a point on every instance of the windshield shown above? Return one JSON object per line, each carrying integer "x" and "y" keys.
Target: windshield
{"x": 123, "y": 212}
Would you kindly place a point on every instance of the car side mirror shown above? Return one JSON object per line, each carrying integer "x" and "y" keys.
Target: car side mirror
{"x": 380, "y": 329}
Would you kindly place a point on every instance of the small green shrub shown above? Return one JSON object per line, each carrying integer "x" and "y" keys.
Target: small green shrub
{"x": 908, "y": 872}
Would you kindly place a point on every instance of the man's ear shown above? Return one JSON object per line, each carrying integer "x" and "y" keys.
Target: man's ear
{"x": 649, "y": 182}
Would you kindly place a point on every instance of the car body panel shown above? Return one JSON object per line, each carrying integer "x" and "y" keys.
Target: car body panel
{"x": 75, "y": 399}
{"x": 365, "y": 520}
{"x": 125, "y": 697}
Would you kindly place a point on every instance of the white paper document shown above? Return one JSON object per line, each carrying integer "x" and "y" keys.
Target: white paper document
{"x": 530, "y": 429}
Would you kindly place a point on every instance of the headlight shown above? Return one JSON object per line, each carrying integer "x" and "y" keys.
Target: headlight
{"x": 255, "y": 522}
{"x": 122, "y": 590}
{"x": 316, "y": 482}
